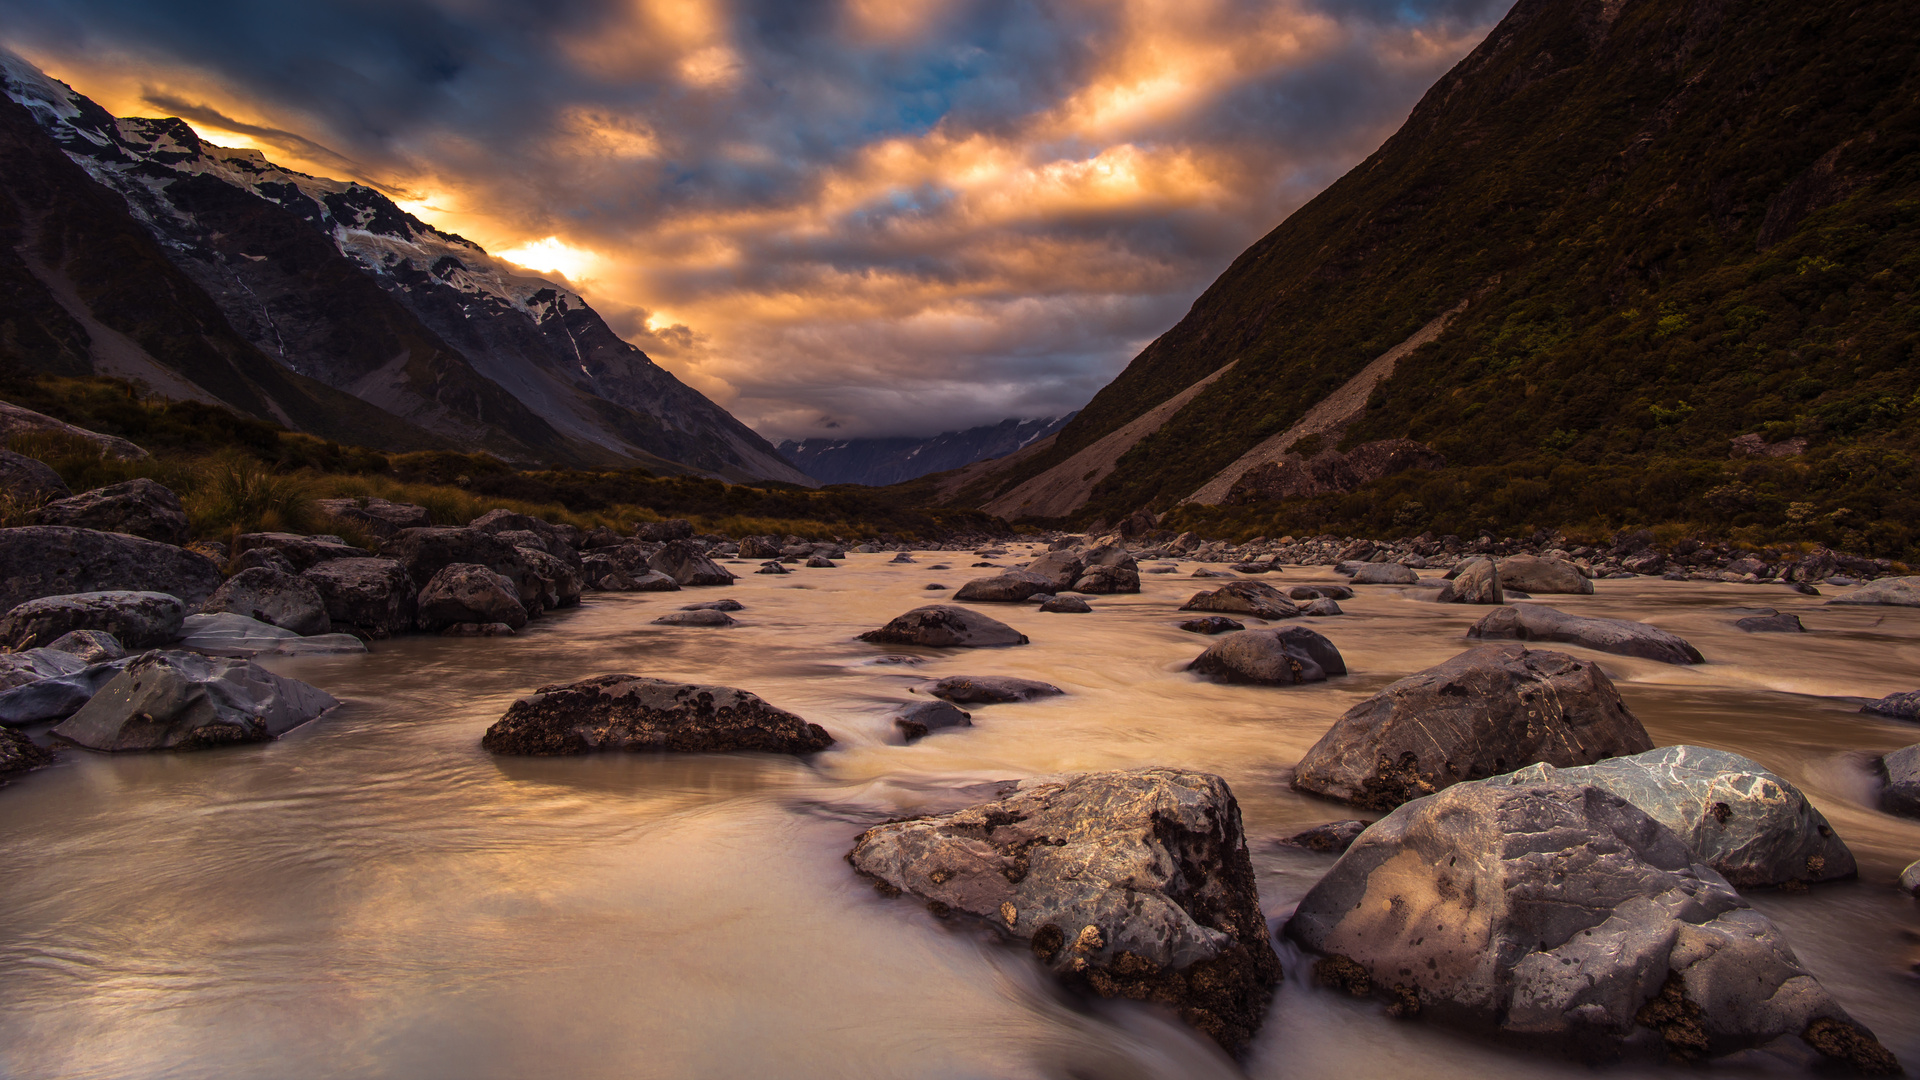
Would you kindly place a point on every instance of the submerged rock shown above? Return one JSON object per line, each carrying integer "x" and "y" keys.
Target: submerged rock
{"x": 1323, "y": 607}
{"x": 1900, "y": 591}
{"x": 228, "y": 633}
{"x": 1770, "y": 623}
{"x": 57, "y": 560}
{"x": 1286, "y": 657}
{"x": 1533, "y": 622}
{"x": 991, "y": 689}
{"x": 1126, "y": 884}
{"x": 918, "y": 718}
{"x": 1212, "y": 624}
{"x": 1482, "y": 713}
{"x": 701, "y": 617}
{"x": 1067, "y": 605}
{"x": 1532, "y": 574}
{"x": 1561, "y": 915}
{"x": 637, "y": 714}
{"x": 1900, "y": 776}
{"x": 139, "y": 620}
{"x": 1254, "y": 598}
{"x": 942, "y": 625}
{"x": 1478, "y": 582}
{"x": 139, "y": 507}
{"x": 1745, "y": 822}
{"x": 185, "y": 701}
{"x": 1332, "y": 838}
{"x": 272, "y": 596}
{"x": 1321, "y": 591}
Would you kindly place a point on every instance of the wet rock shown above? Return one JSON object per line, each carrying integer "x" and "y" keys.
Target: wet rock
{"x": 632, "y": 713}
{"x": 28, "y": 482}
{"x": 56, "y": 560}
{"x": 760, "y": 547}
{"x": 1771, "y": 623}
{"x": 1753, "y": 827}
{"x": 303, "y": 552}
{"x": 92, "y": 646}
{"x": 425, "y": 552}
{"x": 901, "y": 557}
{"x": 1058, "y": 570}
{"x": 275, "y": 597}
{"x": 1533, "y": 622}
{"x": 376, "y": 516}
{"x": 728, "y": 604}
{"x": 1645, "y": 562}
{"x": 1203, "y": 572}
{"x": 185, "y": 701}
{"x": 1561, "y": 915}
{"x": 139, "y": 507}
{"x": 772, "y": 568}
{"x": 1212, "y": 624}
{"x": 33, "y": 665}
{"x": 1320, "y": 592}
{"x": 559, "y": 585}
{"x": 1910, "y": 879}
{"x": 1125, "y": 884}
{"x": 665, "y": 531}
{"x": 1901, "y": 591}
{"x": 1384, "y": 573}
{"x": 54, "y": 696}
{"x": 1322, "y": 606}
{"x": 1478, "y": 582}
{"x": 1900, "y": 775}
{"x": 942, "y": 625}
{"x": 475, "y": 629}
{"x": 991, "y": 689}
{"x": 819, "y": 562}
{"x": 1332, "y": 838}
{"x": 915, "y": 720}
{"x": 1533, "y": 574}
{"x": 1482, "y": 713}
{"x": 934, "y": 586}
{"x": 469, "y": 592}
{"x": 1287, "y": 657}
{"x": 696, "y": 618}
{"x": 264, "y": 557}
{"x": 374, "y": 597}
{"x": 19, "y": 754}
{"x": 688, "y": 565}
{"x": 1250, "y": 567}
{"x": 227, "y": 633}
{"x": 1254, "y": 598}
{"x": 1012, "y": 587}
{"x": 1067, "y": 605}
{"x": 1106, "y": 580}
{"x": 653, "y": 581}
{"x": 139, "y": 620}
{"x": 1899, "y": 706}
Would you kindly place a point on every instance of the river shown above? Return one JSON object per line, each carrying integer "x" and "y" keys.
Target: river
{"x": 375, "y": 896}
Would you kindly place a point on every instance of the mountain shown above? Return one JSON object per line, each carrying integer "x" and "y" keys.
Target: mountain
{"x": 312, "y": 299}
{"x": 878, "y": 462}
{"x": 1618, "y": 236}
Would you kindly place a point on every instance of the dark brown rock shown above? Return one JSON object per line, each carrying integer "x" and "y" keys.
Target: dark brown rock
{"x": 1285, "y": 657}
{"x": 632, "y": 713}
{"x": 688, "y": 565}
{"x": 943, "y": 625}
{"x": 1536, "y": 622}
{"x": 469, "y": 593}
{"x": 374, "y": 597}
{"x": 138, "y": 507}
{"x": 19, "y": 754}
{"x": 1254, "y": 598}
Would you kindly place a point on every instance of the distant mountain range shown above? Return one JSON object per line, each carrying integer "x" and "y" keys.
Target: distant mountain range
{"x": 131, "y": 247}
{"x": 877, "y": 462}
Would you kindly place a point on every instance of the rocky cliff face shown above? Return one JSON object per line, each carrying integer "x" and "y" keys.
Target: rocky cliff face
{"x": 333, "y": 282}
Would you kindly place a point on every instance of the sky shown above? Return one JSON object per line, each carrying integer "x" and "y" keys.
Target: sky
{"x": 844, "y": 218}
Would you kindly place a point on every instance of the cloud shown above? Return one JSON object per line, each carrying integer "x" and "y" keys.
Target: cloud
{"x": 894, "y": 217}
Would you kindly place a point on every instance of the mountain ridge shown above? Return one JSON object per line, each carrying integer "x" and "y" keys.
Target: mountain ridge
{"x": 877, "y": 462}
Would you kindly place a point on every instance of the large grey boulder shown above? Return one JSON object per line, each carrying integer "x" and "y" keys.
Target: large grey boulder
{"x": 943, "y": 625}
{"x": 185, "y": 701}
{"x": 1534, "y": 622}
{"x": 272, "y": 596}
{"x": 56, "y": 560}
{"x": 33, "y": 665}
{"x": 19, "y": 754}
{"x": 1900, "y": 591}
{"x": 1478, "y": 582}
{"x": 1532, "y": 574}
{"x": 138, "y": 620}
{"x": 376, "y": 516}
{"x": 228, "y": 633}
{"x": 56, "y": 696}
{"x": 1563, "y": 916}
{"x": 374, "y": 597}
{"x": 1012, "y": 587}
{"x": 1482, "y": 713}
{"x": 1900, "y": 774}
{"x": 991, "y": 689}
{"x": 1283, "y": 657}
{"x": 1058, "y": 569}
{"x": 138, "y": 507}
{"x": 1244, "y": 598}
{"x": 302, "y": 552}
{"x": 1384, "y": 573}
{"x": 632, "y": 713}
{"x": 688, "y": 565}
{"x": 469, "y": 593}
{"x": 1753, "y": 827}
{"x": 1126, "y": 884}
{"x": 28, "y": 482}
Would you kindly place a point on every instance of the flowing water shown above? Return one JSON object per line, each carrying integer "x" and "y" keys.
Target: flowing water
{"x": 375, "y": 896}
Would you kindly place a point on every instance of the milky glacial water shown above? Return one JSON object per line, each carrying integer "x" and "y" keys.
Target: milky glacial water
{"x": 375, "y": 896}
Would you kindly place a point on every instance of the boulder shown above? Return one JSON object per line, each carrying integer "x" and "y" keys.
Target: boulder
{"x": 469, "y": 593}
{"x": 56, "y": 560}
{"x": 1478, "y": 582}
{"x": 704, "y": 617}
{"x": 727, "y": 604}
{"x": 1287, "y": 657}
{"x": 1533, "y": 622}
{"x": 1058, "y": 569}
{"x": 819, "y": 562}
{"x": 1330, "y": 839}
{"x": 1105, "y": 580}
{"x": 1900, "y": 776}
{"x": 901, "y": 557}
{"x": 1750, "y": 825}
{"x": 1910, "y": 879}
{"x": 1320, "y": 592}
{"x": 1254, "y": 598}
{"x": 228, "y": 633}
{"x": 1900, "y": 591}
{"x": 1770, "y": 623}
{"x": 1066, "y": 605}
{"x": 632, "y": 713}
{"x": 1012, "y": 587}
{"x": 375, "y": 597}
{"x": 1900, "y": 706}
{"x": 139, "y": 620}
{"x": 19, "y": 754}
{"x": 139, "y": 507}
{"x": 93, "y": 646}
{"x": 54, "y": 697}
{"x": 304, "y": 552}
{"x": 1212, "y": 624}
{"x": 185, "y": 701}
{"x": 918, "y": 718}
{"x": 15, "y": 420}
{"x": 265, "y": 557}
{"x": 1561, "y": 915}
{"x": 376, "y": 516}
{"x": 772, "y": 567}
{"x": 1125, "y": 884}
{"x": 658, "y": 532}
{"x": 27, "y": 482}
{"x": 991, "y": 689}
{"x": 1532, "y": 574}
{"x": 272, "y": 596}
{"x": 478, "y": 629}
{"x": 559, "y": 585}
{"x": 1482, "y": 713}
{"x": 1385, "y": 573}
{"x": 33, "y": 665}
{"x": 1109, "y": 555}
{"x": 760, "y": 547}
{"x": 943, "y": 625}
{"x": 688, "y": 565}
{"x": 1322, "y": 606}
{"x": 525, "y": 530}
{"x": 425, "y": 552}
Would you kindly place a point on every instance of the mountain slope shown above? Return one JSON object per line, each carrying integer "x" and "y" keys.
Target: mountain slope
{"x": 1664, "y": 224}
{"x": 878, "y": 462}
